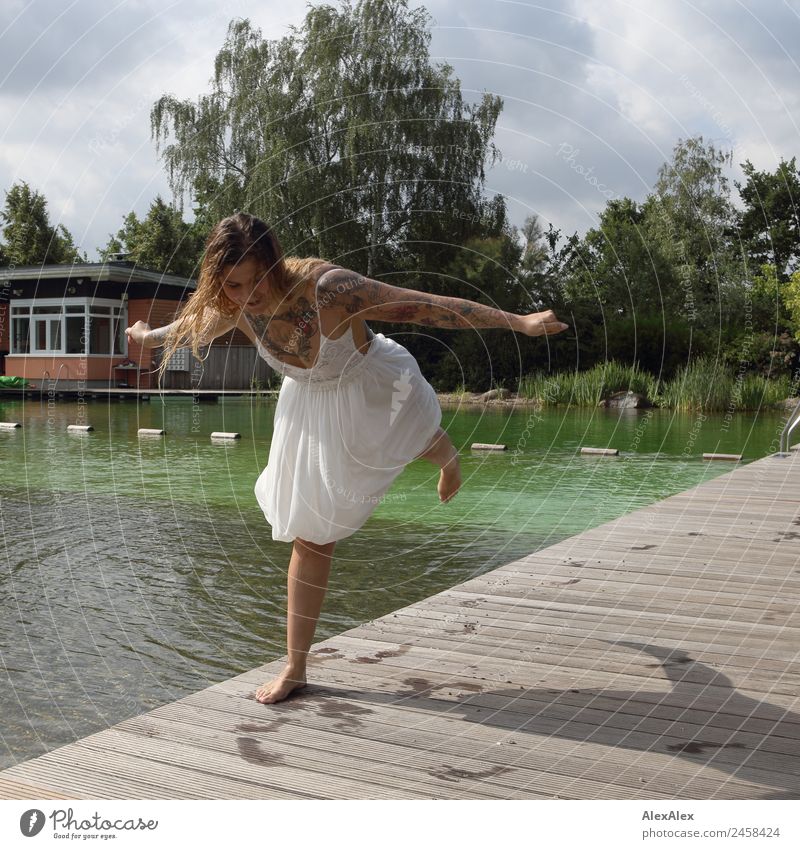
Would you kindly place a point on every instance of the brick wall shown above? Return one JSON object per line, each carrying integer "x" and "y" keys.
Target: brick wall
{"x": 63, "y": 369}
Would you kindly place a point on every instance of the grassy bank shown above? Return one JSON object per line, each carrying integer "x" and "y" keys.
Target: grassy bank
{"x": 702, "y": 385}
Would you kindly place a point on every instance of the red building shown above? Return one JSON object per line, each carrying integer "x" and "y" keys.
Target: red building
{"x": 66, "y": 323}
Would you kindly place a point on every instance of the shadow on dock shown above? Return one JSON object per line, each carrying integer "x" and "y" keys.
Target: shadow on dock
{"x": 703, "y": 718}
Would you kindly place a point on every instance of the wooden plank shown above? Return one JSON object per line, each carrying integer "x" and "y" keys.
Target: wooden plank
{"x": 757, "y": 563}
{"x": 100, "y": 764}
{"x": 384, "y": 768}
{"x": 304, "y": 778}
{"x": 20, "y": 790}
{"x": 746, "y": 595}
{"x": 544, "y": 625}
{"x": 637, "y": 566}
{"x": 498, "y": 747}
{"x": 504, "y": 651}
{"x": 622, "y": 575}
{"x": 782, "y": 726}
{"x": 479, "y": 625}
{"x": 514, "y": 721}
{"x": 525, "y": 669}
{"x": 476, "y": 733}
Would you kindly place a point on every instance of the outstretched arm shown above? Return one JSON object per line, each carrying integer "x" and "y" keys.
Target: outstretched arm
{"x": 371, "y": 299}
{"x": 148, "y": 338}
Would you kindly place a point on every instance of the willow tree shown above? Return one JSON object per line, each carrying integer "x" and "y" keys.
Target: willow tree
{"x": 343, "y": 134}
{"x": 689, "y": 216}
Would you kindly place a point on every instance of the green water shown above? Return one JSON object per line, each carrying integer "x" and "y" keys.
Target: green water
{"x": 135, "y": 571}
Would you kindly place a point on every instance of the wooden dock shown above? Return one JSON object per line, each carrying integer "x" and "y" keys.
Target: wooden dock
{"x": 47, "y": 393}
{"x": 654, "y": 657}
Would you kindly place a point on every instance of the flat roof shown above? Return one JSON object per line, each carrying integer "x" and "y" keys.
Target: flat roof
{"x": 115, "y": 272}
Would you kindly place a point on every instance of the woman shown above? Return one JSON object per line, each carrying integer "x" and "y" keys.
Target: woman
{"x": 353, "y": 409}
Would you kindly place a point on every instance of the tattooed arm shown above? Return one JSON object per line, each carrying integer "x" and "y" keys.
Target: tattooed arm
{"x": 148, "y": 338}
{"x": 371, "y": 299}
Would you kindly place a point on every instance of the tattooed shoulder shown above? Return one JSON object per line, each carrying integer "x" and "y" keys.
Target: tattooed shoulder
{"x": 348, "y": 291}
{"x": 290, "y": 331}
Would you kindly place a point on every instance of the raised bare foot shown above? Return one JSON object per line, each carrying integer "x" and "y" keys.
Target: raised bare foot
{"x": 277, "y": 690}
{"x": 450, "y": 477}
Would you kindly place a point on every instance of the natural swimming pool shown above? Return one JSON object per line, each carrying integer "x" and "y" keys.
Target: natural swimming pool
{"x": 136, "y": 571}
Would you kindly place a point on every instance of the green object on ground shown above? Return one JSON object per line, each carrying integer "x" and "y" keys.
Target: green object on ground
{"x": 13, "y": 382}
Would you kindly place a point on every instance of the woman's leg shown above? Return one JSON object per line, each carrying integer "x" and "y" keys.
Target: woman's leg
{"x": 309, "y": 568}
{"x": 442, "y": 453}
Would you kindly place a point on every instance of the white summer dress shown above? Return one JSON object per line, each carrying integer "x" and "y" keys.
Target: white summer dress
{"x": 344, "y": 430}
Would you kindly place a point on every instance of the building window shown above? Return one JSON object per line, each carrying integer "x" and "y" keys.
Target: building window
{"x": 68, "y": 326}
{"x": 75, "y": 334}
{"x": 20, "y": 335}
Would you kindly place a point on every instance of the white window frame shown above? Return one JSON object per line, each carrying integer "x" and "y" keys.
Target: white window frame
{"x": 24, "y": 309}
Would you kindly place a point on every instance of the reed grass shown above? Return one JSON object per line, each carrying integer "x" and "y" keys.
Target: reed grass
{"x": 704, "y": 384}
{"x": 707, "y": 385}
{"x": 587, "y": 388}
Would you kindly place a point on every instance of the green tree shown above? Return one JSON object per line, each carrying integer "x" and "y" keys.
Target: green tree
{"x": 343, "y": 135}
{"x": 689, "y": 217}
{"x": 776, "y": 302}
{"x": 29, "y": 237}
{"x": 628, "y": 306}
{"x": 545, "y": 270}
{"x": 621, "y": 267}
{"x": 162, "y": 240}
{"x": 483, "y": 270}
{"x": 791, "y": 297}
{"x": 769, "y": 225}
{"x": 616, "y": 289}
{"x": 534, "y": 254}
{"x": 533, "y": 266}
{"x": 768, "y": 343}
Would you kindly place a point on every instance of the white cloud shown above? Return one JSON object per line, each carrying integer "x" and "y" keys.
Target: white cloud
{"x": 718, "y": 68}
{"x": 619, "y": 82}
{"x": 78, "y": 96}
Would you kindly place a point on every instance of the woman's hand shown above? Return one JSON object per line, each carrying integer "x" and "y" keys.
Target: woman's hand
{"x": 541, "y": 324}
{"x": 138, "y": 333}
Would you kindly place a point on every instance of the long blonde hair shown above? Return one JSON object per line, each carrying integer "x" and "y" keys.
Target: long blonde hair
{"x": 235, "y": 239}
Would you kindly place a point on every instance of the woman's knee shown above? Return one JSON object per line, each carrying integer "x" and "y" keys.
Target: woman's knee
{"x": 325, "y": 548}
{"x": 439, "y": 439}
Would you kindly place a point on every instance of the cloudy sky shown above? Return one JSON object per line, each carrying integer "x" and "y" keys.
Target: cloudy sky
{"x": 596, "y": 93}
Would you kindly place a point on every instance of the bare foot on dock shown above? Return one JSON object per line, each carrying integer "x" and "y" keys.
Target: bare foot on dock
{"x": 450, "y": 477}
{"x": 277, "y": 690}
